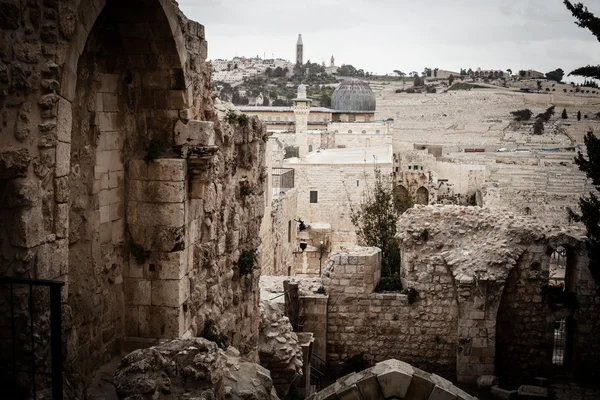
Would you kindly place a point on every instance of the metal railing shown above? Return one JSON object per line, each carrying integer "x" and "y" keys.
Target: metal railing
{"x": 19, "y": 354}
{"x": 291, "y": 151}
{"x": 318, "y": 370}
{"x": 283, "y": 180}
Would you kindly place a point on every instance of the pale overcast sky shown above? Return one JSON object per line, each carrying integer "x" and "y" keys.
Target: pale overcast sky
{"x": 383, "y": 35}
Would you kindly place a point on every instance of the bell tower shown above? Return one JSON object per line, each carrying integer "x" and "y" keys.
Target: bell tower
{"x": 301, "y": 111}
{"x": 299, "y": 50}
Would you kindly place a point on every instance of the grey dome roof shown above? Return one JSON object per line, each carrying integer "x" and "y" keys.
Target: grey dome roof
{"x": 353, "y": 95}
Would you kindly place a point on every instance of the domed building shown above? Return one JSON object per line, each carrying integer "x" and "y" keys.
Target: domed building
{"x": 353, "y": 95}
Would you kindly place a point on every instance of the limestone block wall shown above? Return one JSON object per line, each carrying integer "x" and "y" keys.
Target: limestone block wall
{"x": 337, "y": 187}
{"x": 372, "y": 127}
{"x": 313, "y": 315}
{"x": 385, "y": 325}
{"x": 157, "y": 286}
{"x": 278, "y": 235}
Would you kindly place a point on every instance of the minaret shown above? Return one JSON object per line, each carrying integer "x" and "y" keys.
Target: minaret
{"x": 332, "y": 64}
{"x": 299, "y": 50}
{"x": 301, "y": 111}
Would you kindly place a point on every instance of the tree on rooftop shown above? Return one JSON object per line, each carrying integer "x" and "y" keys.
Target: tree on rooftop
{"x": 375, "y": 221}
{"x": 564, "y": 114}
{"x": 451, "y": 79}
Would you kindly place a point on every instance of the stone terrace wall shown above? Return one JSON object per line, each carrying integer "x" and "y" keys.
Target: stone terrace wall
{"x": 385, "y": 325}
{"x": 84, "y": 89}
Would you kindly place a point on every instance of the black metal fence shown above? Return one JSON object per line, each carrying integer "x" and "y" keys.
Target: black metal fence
{"x": 25, "y": 305}
{"x": 291, "y": 151}
{"x": 318, "y": 372}
{"x": 283, "y": 180}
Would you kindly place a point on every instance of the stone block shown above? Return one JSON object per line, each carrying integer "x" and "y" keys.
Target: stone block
{"x": 137, "y": 292}
{"x": 170, "y": 215}
{"x": 349, "y": 393}
{"x": 164, "y": 169}
{"x": 394, "y": 383}
{"x": 161, "y": 322}
{"x": 157, "y": 191}
{"x": 162, "y": 265}
{"x": 176, "y": 99}
{"x": 421, "y": 386}
{"x": 158, "y": 238}
{"x": 64, "y": 122}
{"x": 108, "y": 83}
{"x": 131, "y": 317}
{"x": 441, "y": 393}
{"x": 116, "y": 211}
{"x": 61, "y": 220}
{"x": 63, "y": 159}
{"x": 17, "y": 194}
{"x": 503, "y": 394}
{"x": 170, "y": 293}
{"x": 532, "y": 392}
{"x": 195, "y": 133}
{"x": 52, "y": 260}
{"x": 14, "y": 162}
{"x": 486, "y": 381}
{"x": 61, "y": 189}
{"x": 369, "y": 388}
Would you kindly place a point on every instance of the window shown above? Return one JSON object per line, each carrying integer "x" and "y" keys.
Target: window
{"x": 289, "y": 231}
{"x": 377, "y": 131}
{"x": 313, "y": 196}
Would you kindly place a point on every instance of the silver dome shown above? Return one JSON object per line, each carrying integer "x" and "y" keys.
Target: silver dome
{"x": 353, "y": 95}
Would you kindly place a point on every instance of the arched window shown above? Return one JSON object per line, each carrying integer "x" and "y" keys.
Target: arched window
{"x": 422, "y": 196}
{"x": 310, "y": 148}
{"x": 527, "y": 211}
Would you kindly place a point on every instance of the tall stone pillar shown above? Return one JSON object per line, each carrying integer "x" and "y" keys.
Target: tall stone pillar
{"x": 301, "y": 111}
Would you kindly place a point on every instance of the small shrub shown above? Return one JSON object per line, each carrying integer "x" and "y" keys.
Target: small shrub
{"x": 265, "y": 138}
{"x": 240, "y": 119}
{"x": 211, "y": 333}
{"x": 389, "y": 284}
{"x": 247, "y": 261}
{"x": 522, "y": 115}
{"x": 140, "y": 255}
{"x": 538, "y": 127}
{"x": 412, "y": 294}
{"x": 356, "y": 363}
{"x": 321, "y": 290}
{"x": 153, "y": 150}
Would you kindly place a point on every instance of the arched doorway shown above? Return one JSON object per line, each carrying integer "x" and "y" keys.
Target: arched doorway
{"x": 402, "y": 198}
{"x": 422, "y": 196}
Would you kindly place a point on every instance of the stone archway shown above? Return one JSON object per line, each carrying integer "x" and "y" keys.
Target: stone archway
{"x": 422, "y": 196}
{"x": 130, "y": 89}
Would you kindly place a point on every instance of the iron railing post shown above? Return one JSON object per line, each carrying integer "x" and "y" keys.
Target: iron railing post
{"x": 56, "y": 342}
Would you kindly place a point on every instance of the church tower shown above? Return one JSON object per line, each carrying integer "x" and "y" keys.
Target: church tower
{"x": 332, "y": 63}
{"x": 301, "y": 111}
{"x": 299, "y": 50}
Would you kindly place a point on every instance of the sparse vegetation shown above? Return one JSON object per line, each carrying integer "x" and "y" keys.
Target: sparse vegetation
{"x": 321, "y": 290}
{"x": 564, "y": 114}
{"x": 389, "y": 284}
{"x": 210, "y": 332}
{"x": 240, "y": 119}
{"x": 247, "y": 261}
{"x": 375, "y": 221}
{"x": 522, "y": 115}
{"x": 154, "y": 150}
{"x": 140, "y": 255}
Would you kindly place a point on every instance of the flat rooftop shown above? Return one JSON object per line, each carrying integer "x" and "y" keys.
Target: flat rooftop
{"x": 357, "y": 155}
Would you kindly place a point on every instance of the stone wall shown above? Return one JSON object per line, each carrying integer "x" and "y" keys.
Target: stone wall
{"x": 85, "y": 89}
{"x": 385, "y": 325}
{"x": 278, "y": 235}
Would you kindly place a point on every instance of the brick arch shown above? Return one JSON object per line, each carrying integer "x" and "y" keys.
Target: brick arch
{"x": 392, "y": 379}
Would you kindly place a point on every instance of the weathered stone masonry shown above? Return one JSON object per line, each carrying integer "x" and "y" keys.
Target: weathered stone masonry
{"x": 481, "y": 308}
{"x": 148, "y": 249}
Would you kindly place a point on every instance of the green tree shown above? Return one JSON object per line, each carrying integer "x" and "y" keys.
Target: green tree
{"x": 590, "y": 206}
{"x": 509, "y": 71}
{"x": 585, "y": 19}
{"x": 399, "y": 73}
{"x": 564, "y": 114}
{"x": 375, "y": 221}
{"x": 451, "y": 79}
{"x": 555, "y": 75}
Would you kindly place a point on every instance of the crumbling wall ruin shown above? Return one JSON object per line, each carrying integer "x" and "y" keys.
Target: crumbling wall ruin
{"x": 148, "y": 248}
